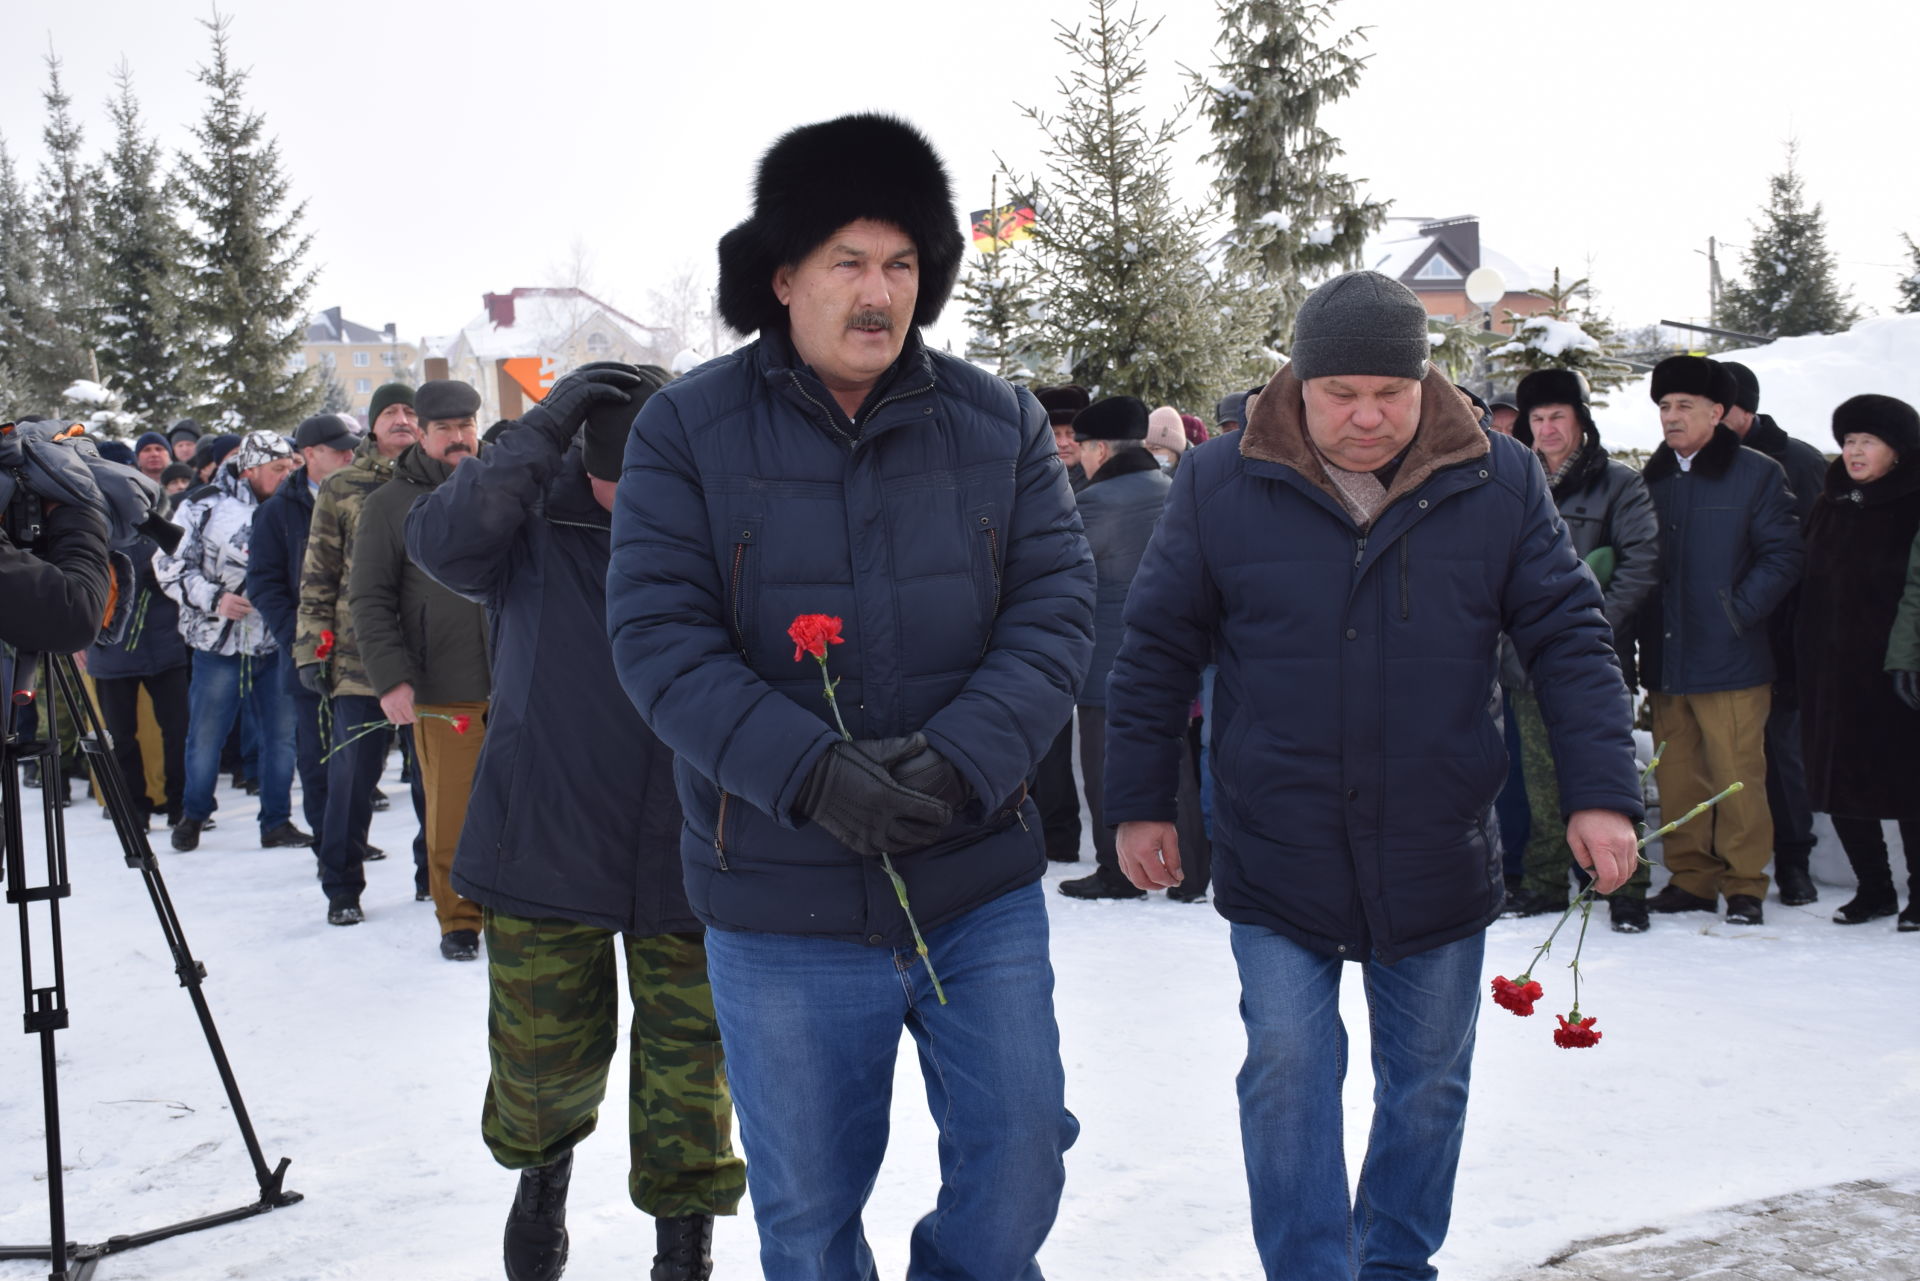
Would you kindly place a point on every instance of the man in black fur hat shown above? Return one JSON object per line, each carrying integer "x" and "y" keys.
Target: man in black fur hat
{"x": 1730, "y": 552}
{"x": 850, "y": 591}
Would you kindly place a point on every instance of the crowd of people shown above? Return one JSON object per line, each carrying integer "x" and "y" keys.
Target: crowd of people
{"x": 1297, "y": 652}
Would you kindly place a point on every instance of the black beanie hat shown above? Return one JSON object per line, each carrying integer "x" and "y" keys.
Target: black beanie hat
{"x": 1746, "y": 388}
{"x": 386, "y": 395}
{"x": 445, "y": 398}
{"x": 1549, "y": 387}
{"x": 603, "y": 439}
{"x": 1362, "y": 323}
{"x": 815, "y": 180}
{"x": 1063, "y": 404}
{"x": 185, "y": 427}
{"x": 1892, "y": 420}
{"x": 1692, "y": 376}
{"x": 1115, "y": 418}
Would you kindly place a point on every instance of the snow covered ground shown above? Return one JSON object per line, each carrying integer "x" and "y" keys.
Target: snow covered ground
{"x": 1736, "y": 1064}
{"x": 1801, "y": 382}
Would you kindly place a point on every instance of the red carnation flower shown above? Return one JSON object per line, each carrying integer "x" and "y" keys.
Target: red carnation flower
{"x": 1518, "y": 997}
{"x": 460, "y": 724}
{"x": 812, "y": 633}
{"x": 1578, "y": 1035}
{"x": 325, "y": 646}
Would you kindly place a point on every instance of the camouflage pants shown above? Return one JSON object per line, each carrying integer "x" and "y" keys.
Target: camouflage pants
{"x": 1548, "y": 857}
{"x": 552, "y": 1021}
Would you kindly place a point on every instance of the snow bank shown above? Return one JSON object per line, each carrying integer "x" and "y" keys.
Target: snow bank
{"x": 83, "y": 392}
{"x": 1801, "y": 381}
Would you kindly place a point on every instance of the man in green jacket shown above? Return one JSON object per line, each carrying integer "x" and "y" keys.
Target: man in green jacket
{"x": 425, "y": 648}
{"x": 327, "y": 654}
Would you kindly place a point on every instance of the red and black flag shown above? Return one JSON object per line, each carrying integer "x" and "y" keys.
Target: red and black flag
{"x": 995, "y": 229}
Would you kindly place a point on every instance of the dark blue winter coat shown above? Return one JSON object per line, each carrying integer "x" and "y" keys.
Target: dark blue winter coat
{"x": 152, "y": 643}
{"x": 1730, "y": 551}
{"x": 941, "y": 530}
{"x": 573, "y": 813}
{"x": 1356, "y": 737}
{"x": 1119, "y": 506}
{"x": 279, "y": 549}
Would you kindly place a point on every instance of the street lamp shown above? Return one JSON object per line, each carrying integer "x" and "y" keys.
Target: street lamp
{"x": 1484, "y": 287}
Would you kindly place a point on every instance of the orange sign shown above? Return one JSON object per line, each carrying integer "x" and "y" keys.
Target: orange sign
{"x": 535, "y": 374}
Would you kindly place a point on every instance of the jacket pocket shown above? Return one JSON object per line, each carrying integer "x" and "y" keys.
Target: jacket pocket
{"x": 987, "y": 525}
{"x": 744, "y": 534}
{"x": 720, "y": 833}
{"x": 1733, "y": 619}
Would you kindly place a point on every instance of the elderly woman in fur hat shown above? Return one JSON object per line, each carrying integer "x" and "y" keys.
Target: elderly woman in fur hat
{"x": 1862, "y": 740}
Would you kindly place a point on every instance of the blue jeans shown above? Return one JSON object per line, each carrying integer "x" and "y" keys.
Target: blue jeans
{"x": 219, "y": 683}
{"x": 811, "y": 1027}
{"x": 1421, "y": 1011}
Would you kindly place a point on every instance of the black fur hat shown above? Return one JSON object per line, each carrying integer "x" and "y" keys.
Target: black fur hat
{"x": 1115, "y": 418}
{"x": 1892, "y": 420}
{"x": 820, "y": 177}
{"x": 1746, "y": 387}
{"x": 1693, "y": 376}
{"x": 1549, "y": 387}
{"x": 1063, "y": 403}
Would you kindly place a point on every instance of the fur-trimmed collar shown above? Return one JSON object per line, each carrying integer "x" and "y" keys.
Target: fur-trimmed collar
{"x": 1589, "y": 466}
{"x": 1124, "y": 463}
{"x": 1448, "y": 434}
{"x": 1901, "y": 482}
{"x": 1713, "y": 460}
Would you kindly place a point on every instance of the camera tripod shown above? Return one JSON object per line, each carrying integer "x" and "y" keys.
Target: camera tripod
{"x": 46, "y": 1006}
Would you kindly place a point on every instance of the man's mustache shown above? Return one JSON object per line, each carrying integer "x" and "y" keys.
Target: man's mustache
{"x": 871, "y": 320}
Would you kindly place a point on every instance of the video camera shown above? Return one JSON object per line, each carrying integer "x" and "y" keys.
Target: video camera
{"x": 46, "y": 462}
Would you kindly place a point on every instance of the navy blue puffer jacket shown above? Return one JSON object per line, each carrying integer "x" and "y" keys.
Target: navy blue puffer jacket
{"x": 573, "y": 813}
{"x": 1356, "y": 737}
{"x": 941, "y": 531}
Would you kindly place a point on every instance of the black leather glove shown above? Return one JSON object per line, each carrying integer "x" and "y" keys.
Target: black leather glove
{"x": 313, "y": 676}
{"x": 850, "y": 793}
{"x": 1907, "y": 686}
{"x": 567, "y": 405}
{"x": 932, "y": 774}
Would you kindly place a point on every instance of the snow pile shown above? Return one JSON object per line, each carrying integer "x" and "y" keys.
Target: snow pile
{"x": 1801, "y": 382}
{"x": 83, "y": 392}
{"x": 1737, "y": 1064}
{"x": 688, "y": 361}
{"x": 1547, "y": 336}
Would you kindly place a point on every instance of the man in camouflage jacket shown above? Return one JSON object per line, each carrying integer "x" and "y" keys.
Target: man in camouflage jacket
{"x": 329, "y": 659}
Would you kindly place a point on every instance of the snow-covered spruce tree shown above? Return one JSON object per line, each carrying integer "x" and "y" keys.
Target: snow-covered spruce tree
{"x": 248, "y": 292}
{"x": 1790, "y": 288}
{"x": 1131, "y": 305}
{"x": 1003, "y": 310}
{"x": 1567, "y": 335}
{"x": 22, "y": 310}
{"x": 1910, "y": 279}
{"x": 143, "y": 334}
{"x": 1293, "y": 219}
{"x": 64, "y": 198}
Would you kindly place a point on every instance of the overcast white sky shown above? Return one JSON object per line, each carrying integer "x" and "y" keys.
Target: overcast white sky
{"x": 445, "y": 149}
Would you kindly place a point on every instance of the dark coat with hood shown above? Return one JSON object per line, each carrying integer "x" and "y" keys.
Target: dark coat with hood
{"x": 573, "y": 812}
{"x": 53, "y": 602}
{"x": 1355, "y": 730}
{"x": 411, "y": 629}
{"x": 938, "y": 525}
{"x": 1119, "y": 506}
{"x": 1806, "y": 469}
{"x": 1730, "y": 552}
{"x": 279, "y": 550}
{"x": 1862, "y": 743}
{"x": 152, "y": 643}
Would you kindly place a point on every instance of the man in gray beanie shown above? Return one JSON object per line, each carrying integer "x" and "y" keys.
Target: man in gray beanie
{"x": 1352, "y": 564}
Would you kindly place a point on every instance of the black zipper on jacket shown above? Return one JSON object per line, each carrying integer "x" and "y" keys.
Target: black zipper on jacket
{"x": 832, "y": 421}
{"x": 1359, "y": 550}
{"x": 899, "y": 395}
{"x": 993, "y": 563}
{"x": 733, "y": 593}
{"x": 720, "y": 834}
{"x": 1404, "y": 604}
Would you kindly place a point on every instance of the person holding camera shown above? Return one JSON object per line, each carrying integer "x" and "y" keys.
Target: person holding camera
{"x": 234, "y": 655}
{"x": 53, "y": 595}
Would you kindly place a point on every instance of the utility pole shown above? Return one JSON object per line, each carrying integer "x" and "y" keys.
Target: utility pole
{"x": 1713, "y": 281}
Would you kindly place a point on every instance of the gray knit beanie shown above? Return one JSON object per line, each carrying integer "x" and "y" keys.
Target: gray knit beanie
{"x": 1361, "y": 323}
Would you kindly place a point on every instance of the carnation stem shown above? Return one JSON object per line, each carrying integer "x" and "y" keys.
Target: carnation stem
{"x": 886, "y": 860}
{"x": 1586, "y": 914}
{"x": 360, "y": 731}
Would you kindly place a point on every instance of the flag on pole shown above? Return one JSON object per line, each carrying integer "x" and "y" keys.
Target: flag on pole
{"x": 995, "y": 229}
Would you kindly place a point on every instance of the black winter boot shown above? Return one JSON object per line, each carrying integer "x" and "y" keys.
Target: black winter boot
{"x": 684, "y": 1249}
{"x": 536, "y": 1241}
{"x": 1791, "y": 878}
{"x": 1102, "y": 884}
{"x": 1870, "y": 904}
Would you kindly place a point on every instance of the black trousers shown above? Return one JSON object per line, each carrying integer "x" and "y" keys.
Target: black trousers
{"x": 1057, "y": 798}
{"x": 120, "y": 707}
{"x": 1787, "y": 781}
{"x": 1865, "y": 841}
{"x": 1196, "y": 854}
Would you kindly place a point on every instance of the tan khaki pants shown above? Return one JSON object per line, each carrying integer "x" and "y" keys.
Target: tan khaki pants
{"x": 447, "y": 761}
{"x": 1714, "y": 740}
